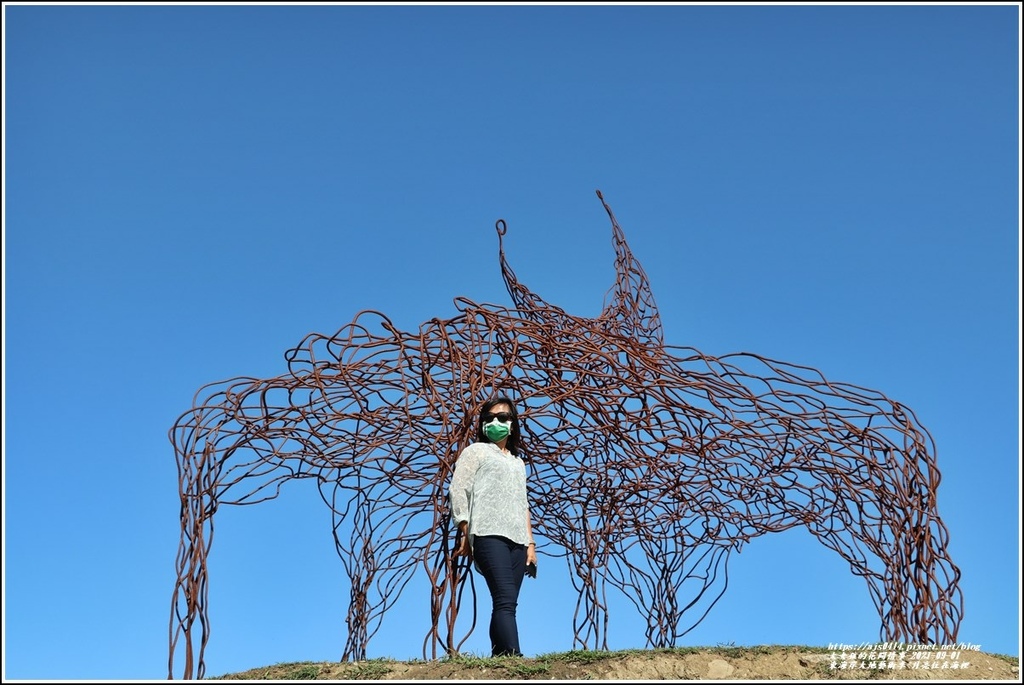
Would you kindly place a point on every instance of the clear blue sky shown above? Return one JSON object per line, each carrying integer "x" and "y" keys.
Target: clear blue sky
{"x": 190, "y": 190}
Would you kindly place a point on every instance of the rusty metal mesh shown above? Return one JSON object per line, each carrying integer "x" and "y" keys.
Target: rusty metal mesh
{"x": 648, "y": 465}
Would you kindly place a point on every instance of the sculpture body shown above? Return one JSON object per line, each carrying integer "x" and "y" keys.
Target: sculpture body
{"x": 649, "y": 465}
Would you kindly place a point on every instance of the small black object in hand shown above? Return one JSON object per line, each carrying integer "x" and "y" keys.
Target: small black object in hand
{"x": 531, "y": 570}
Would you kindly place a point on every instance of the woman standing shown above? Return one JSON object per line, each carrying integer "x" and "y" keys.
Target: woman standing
{"x": 488, "y": 500}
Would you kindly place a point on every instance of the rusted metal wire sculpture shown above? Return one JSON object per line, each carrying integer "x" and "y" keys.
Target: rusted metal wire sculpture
{"x": 649, "y": 464}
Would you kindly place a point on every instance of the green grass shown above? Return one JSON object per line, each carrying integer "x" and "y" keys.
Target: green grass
{"x": 370, "y": 670}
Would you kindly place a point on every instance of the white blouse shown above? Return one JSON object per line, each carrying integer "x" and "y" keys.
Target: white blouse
{"x": 489, "y": 491}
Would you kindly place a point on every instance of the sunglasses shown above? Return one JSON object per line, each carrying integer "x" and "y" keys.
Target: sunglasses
{"x": 502, "y": 416}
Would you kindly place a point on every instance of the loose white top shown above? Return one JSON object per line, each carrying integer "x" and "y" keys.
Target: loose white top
{"x": 489, "y": 491}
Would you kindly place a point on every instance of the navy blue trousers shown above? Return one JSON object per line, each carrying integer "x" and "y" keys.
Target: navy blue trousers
{"x": 503, "y": 565}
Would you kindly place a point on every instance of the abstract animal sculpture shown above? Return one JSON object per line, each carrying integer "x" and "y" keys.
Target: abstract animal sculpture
{"x": 649, "y": 464}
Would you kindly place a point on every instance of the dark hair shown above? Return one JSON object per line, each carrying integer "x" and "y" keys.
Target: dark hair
{"x": 512, "y": 444}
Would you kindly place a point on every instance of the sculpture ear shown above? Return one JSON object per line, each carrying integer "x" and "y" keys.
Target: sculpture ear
{"x": 531, "y": 305}
{"x": 629, "y": 307}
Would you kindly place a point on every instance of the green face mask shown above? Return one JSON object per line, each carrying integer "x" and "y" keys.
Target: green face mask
{"x": 495, "y": 431}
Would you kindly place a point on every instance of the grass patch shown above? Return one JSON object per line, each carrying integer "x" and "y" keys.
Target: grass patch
{"x": 301, "y": 670}
{"x": 578, "y": 656}
{"x": 374, "y": 669}
{"x": 1012, "y": 660}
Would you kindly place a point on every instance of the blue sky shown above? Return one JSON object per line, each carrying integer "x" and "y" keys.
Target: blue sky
{"x": 190, "y": 190}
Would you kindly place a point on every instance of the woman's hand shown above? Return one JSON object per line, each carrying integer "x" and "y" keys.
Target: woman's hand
{"x": 462, "y": 546}
{"x": 531, "y": 555}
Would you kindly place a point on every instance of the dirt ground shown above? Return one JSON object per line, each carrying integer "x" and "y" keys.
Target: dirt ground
{"x": 722, "y": 663}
